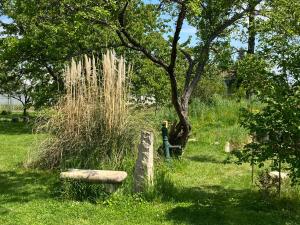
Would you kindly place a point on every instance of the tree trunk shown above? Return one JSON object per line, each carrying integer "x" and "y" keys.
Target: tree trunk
{"x": 25, "y": 113}
{"x": 279, "y": 178}
{"x": 251, "y": 30}
{"x": 251, "y": 37}
{"x": 179, "y": 132}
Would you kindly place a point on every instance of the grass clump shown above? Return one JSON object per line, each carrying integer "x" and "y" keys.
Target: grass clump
{"x": 90, "y": 126}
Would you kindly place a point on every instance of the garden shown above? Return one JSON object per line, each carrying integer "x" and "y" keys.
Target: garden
{"x": 150, "y": 112}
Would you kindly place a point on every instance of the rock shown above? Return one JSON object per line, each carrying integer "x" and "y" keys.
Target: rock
{"x": 228, "y": 147}
{"x": 192, "y": 140}
{"x": 250, "y": 139}
{"x": 26, "y": 119}
{"x": 143, "y": 173}
{"x": 95, "y": 176}
{"x": 275, "y": 174}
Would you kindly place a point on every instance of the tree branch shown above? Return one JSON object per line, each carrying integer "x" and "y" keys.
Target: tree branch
{"x": 190, "y": 68}
{"x": 179, "y": 24}
{"x": 221, "y": 27}
{"x": 206, "y": 48}
{"x": 124, "y": 36}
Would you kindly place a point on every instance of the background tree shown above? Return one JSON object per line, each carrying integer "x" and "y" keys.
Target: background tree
{"x": 274, "y": 76}
{"x": 18, "y": 84}
{"x": 49, "y": 34}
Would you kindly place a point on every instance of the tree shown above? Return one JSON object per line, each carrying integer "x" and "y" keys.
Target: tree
{"x": 18, "y": 85}
{"x": 274, "y": 76}
{"x": 210, "y": 18}
{"x": 82, "y": 26}
{"x": 47, "y": 37}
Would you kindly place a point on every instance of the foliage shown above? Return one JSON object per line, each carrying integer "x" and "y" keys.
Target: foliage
{"x": 210, "y": 85}
{"x": 266, "y": 183}
{"x": 149, "y": 83}
{"x": 45, "y": 36}
{"x": 274, "y": 78}
{"x": 279, "y": 121}
{"x": 5, "y": 113}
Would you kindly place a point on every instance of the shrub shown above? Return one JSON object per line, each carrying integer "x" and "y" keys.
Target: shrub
{"x": 5, "y": 112}
{"x": 90, "y": 126}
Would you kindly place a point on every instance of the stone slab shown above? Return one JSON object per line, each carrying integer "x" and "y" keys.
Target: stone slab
{"x": 275, "y": 174}
{"x": 95, "y": 176}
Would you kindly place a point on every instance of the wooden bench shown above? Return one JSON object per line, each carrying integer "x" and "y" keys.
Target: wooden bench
{"x": 109, "y": 177}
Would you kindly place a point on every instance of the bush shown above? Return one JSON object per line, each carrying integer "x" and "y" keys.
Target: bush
{"x": 5, "y": 113}
{"x": 90, "y": 126}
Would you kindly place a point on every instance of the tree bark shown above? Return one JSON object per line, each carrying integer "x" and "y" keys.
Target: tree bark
{"x": 179, "y": 132}
{"x": 251, "y": 36}
{"x": 24, "y": 111}
{"x": 251, "y": 28}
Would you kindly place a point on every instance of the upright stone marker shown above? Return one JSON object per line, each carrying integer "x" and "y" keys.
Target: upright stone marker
{"x": 143, "y": 173}
{"x": 228, "y": 147}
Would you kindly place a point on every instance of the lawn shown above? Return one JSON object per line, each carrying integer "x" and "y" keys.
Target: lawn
{"x": 203, "y": 188}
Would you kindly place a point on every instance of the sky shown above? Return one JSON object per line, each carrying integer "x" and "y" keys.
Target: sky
{"x": 4, "y": 19}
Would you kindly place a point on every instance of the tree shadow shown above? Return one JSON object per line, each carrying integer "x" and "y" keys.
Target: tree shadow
{"x": 26, "y": 186}
{"x": 3, "y": 211}
{"x": 10, "y": 128}
{"x": 215, "y": 205}
{"x": 205, "y": 159}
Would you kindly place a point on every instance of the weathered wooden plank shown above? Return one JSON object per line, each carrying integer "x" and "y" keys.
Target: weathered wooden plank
{"x": 95, "y": 176}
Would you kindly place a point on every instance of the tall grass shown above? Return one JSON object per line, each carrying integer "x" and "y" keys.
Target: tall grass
{"x": 90, "y": 126}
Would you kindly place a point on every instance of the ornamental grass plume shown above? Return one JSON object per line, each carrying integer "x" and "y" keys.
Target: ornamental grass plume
{"x": 90, "y": 125}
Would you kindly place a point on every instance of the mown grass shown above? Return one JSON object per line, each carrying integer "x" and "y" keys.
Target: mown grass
{"x": 201, "y": 188}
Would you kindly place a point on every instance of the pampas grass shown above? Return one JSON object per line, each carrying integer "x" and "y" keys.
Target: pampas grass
{"x": 91, "y": 126}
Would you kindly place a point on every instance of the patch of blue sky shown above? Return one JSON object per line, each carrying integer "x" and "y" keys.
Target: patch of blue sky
{"x": 5, "y": 19}
{"x": 189, "y": 31}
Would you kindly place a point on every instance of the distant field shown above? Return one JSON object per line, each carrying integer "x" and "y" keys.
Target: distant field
{"x": 203, "y": 188}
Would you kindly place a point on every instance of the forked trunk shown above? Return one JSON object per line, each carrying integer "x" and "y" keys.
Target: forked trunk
{"x": 179, "y": 132}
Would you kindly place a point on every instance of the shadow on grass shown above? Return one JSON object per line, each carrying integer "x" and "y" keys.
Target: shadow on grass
{"x": 10, "y": 128}
{"x": 21, "y": 187}
{"x": 3, "y": 210}
{"x": 205, "y": 159}
{"x": 215, "y": 205}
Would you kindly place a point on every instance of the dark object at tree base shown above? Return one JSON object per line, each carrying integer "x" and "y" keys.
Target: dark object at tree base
{"x": 15, "y": 120}
{"x": 26, "y": 119}
{"x": 169, "y": 150}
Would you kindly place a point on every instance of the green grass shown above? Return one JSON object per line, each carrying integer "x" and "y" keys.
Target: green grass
{"x": 199, "y": 189}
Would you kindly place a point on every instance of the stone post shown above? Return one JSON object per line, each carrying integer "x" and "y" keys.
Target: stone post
{"x": 143, "y": 173}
